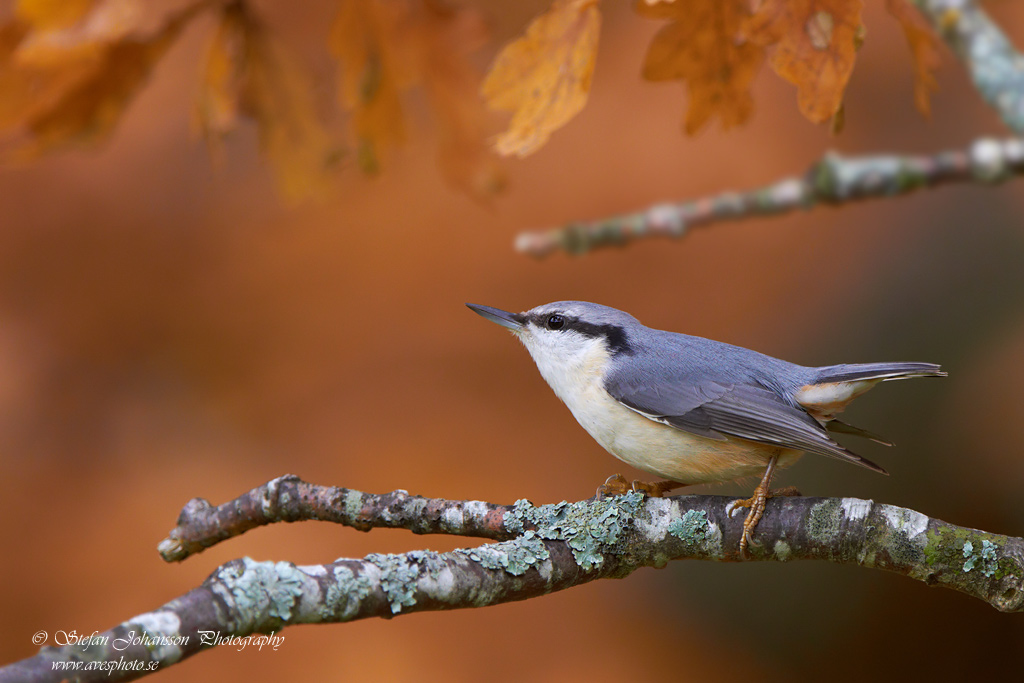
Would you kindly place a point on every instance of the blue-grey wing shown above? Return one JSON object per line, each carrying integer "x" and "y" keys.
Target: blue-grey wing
{"x": 717, "y": 410}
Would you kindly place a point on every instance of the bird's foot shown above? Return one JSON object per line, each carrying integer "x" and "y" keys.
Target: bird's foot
{"x": 756, "y": 503}
{"x": 616, "y": 485}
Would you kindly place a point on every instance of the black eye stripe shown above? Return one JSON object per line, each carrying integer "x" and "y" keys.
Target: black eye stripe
{"x": 614, "y": 336}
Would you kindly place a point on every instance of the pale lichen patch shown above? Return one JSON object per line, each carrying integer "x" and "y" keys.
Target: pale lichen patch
{"x": 438, "y": 584}
{"x": 910, "y": 522}
{"x": 824, "y": 521}
{"x": 476, "y": 509}
{"x": 654, "y": 524}
{"x": 353, "y": 503}
{"x": 856, "y": 509}
{"x": 546, "y": 569}
{"x": 160, "y": 634}
{"x": 452, "y": 519}
{"x": 398, "y": 579}
{"x": 515, "y": 556}
{"x": 986, "y": 559}
{"x": 413, "y": 507}
{"x": 903, "y": 538}
{"x": 589, "y": 527}
{"x": 782, "y": 550}
{"x": 260, "y": 590}
{"x": 346, "y": 593}
{"x": 697, "y": 532}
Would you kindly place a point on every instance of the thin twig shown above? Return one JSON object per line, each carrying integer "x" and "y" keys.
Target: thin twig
{"x": 289, "y": 499}
{"x": 833, "y": 180}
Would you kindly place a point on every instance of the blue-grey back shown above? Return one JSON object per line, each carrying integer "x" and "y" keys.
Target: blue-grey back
{"x": 661, "y": 357}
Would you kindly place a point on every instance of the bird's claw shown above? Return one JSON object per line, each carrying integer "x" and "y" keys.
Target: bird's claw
{"x": 732, "y": 508}
{"x": 616, "y": 485}
{"x": 756, "y": 503}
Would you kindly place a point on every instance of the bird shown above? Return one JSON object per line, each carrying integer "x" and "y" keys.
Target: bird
{"x": 692, "y": 410}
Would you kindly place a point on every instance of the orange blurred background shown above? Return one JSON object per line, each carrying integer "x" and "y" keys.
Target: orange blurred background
{"x": 169, "y": 330}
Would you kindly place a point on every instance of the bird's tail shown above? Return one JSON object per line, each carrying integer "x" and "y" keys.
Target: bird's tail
{"x": 834, "y": 386}
{"x": 876, "y": 371}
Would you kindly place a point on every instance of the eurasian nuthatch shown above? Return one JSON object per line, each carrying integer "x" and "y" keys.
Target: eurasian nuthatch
{"x": 688, "y": 409}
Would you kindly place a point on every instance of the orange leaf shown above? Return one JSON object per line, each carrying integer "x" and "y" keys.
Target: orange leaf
{"x": 544, "y": 76}
{"x": 25, "y": 91}
{"x": 247, "y": 73}
{"x": 452, "y": 83}
{"x": 52, "y": 14}
{"x": 701, "y": 47}
{"x": 815, "y": 48}
{"x": 105, "y": 22}
{"x": 924, "y": 45}
{"x": 220, "y": 88}
{"x": 368, "y": 41}
{"x": 87, "y": 111}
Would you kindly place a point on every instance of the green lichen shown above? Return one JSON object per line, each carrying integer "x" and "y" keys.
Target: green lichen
{"x": 264, "y": 593}
{"x": 397, "y": 578}
{"x": 400, "y": 574}
{"x": 693, "y": 529}
{"x": 782, "y": 550}
{"x": 902, "y": 539}
{"x": 513, "y": 522}
{"x": 515, "y": 556}
{"x": 955, "y": 547}
{"x": 591, "y": 528}
{"x": 945, "y": 545}
{"x": 986, "y": 560}
{"x": 823, "y": 522}
{"x": 159, "y": 632}
{"x": 353, "y": 504}
{"x": 345, "y": 594}
{"x": 413, "y": 507}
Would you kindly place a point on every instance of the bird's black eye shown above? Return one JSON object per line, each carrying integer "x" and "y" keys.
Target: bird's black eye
{"x": 556, "y": 322}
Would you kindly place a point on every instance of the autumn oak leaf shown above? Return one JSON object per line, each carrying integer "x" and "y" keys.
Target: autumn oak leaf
{"x": 52, "y": 14}
{"x": 446, "y": 39}
{"x": 249, "y": 74}
{"x": 701, "y": 47}
{"x": 814, "y": 47}
{"x": 216, "y": 109}
{"x": 28, "y": 90}
{"x": 544, "y": 76}
{"x": 55, "y": 43}
{"x": 924, "y": 46}
{"x": 89, "y": 108}
{"x": 370, "y": 40}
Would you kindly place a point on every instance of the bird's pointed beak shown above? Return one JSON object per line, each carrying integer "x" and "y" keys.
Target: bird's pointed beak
{"x": 513, "y": 321}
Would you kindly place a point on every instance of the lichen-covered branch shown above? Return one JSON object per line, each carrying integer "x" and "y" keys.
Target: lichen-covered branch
{"x": 547, "y": 548}
{"x": 289, "y": 499}
{"x": 996, "y": 68}
{"x": 832, "y": 180}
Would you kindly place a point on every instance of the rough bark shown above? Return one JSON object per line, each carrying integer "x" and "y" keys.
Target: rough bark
{"x": 538, "y": 549}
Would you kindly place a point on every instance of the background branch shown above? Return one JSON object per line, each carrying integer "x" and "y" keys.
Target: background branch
{"x": 996, "y": 68}
{"x": 549, "y": 548}
{"x": 833, "y": 180}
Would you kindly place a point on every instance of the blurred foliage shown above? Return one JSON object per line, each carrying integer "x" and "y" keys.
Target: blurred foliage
{"x": 168, "y": 330}
{"x": 69, "y": 70}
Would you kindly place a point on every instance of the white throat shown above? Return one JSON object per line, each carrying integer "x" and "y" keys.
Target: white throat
{"x": 573, "y": 364}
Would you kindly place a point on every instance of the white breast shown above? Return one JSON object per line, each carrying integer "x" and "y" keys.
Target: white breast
{"x": 576, "y": 379}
